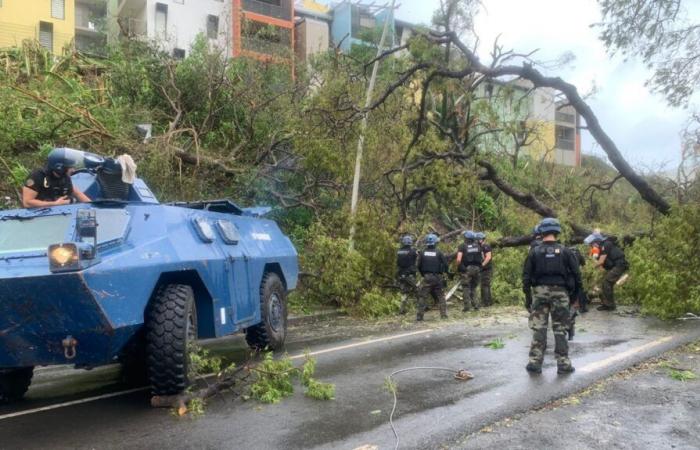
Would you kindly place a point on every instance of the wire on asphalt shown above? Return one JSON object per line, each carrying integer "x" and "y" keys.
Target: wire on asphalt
{"x": 459, "y": 374}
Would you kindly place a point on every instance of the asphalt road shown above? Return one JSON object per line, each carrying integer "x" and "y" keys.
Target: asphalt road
{"x": 434, "y": 410}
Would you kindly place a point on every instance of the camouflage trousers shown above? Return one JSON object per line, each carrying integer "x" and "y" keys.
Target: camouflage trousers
{"x": 407, "y": 287}
{"x": 486, "y": 276}
{"x": 432, "y": 286}
{"x": 470, "y": 280}
{"x": 548, "y": 300}
{"x": 608, "y": 288}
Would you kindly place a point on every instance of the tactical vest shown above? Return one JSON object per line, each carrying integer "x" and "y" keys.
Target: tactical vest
{"x": 471, "y": 254}
{"x": 550, "y": 265}
{"x": 430, "y": 261}
{"x": 616, "y": 257}
{"x": 406, "y": 260}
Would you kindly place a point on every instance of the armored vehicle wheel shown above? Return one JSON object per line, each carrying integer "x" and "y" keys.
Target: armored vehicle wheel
{"x": 272, "y": 330}
{"x": 171, "y": 325}
{"x": 14, "y": 383}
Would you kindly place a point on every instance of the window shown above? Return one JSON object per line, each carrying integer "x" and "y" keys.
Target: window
{"x": 204, "y": 229}
{"x": 58, "y": 9}
{"x": 566, "y": 138}
{"x": 33, "y": 235}
{"x": 46, "y": 35}
{"x": 212, "y": 27}
{"x": 179, "y": 53}
{"x": 161, "y": 20}
{"x": 229, "y": 232}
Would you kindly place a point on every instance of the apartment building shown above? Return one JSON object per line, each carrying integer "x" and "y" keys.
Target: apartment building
{"x": 51, "y": 22}
{"x": 172, "y": 24}
{"x": 357, "y": 23}
{"x": 91, "y": 25}
{"x": 264, "y": 29}
{"x": 311, "y": 29}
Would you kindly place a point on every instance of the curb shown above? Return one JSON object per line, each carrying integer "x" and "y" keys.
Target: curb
{"x": 314, "y": 317}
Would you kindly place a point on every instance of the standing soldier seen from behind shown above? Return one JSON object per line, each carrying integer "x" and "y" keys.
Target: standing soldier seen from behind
{"x": 552, "y": 272}
{"x": 432, "y": 264}
{"x": 486, "y": 270}
{"x": 406, "y": 276}
{"x": 536, "y": 237}
{"x": 612, "y": 259}
{"x": 469, "y": 260}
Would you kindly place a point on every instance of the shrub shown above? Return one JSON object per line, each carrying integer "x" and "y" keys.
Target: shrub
{"x": 664, "y": 269}
{"x": 506, "y": 286}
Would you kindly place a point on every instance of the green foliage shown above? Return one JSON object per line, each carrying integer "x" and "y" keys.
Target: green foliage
{"x": 664, "y": 269}
{"x": 506, "y": 286}
{"x": 274, "y": 379}
{"x": 376, "y": 303}
{"x": 682, "y": 375}
{"x": 202, "y": 362}
{"x": 496, "y": 344}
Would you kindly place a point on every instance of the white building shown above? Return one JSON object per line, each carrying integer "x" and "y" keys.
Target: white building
{"x": 174, "y": 24}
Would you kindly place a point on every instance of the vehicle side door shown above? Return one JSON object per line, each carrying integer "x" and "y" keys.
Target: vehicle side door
{"x": 238, "y": 264}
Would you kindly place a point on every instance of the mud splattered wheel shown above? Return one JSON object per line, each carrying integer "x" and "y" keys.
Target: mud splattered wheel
{"x": 271, "y": 332}
{"x": 171, "y": 327}
{"x": 14, "y": 383}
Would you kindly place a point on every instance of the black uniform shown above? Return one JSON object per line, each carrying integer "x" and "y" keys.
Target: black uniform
{"x": 431, "y": 265}
{"x": 406, "y": 276}
{"x": 48, "y": 186}
{"x": 470, "y": 272}
{"x": 616, "y": 264}
{"x": 580, "y": 295}
{"x": 486, "y": 277}
{"x": 553, "y": 271}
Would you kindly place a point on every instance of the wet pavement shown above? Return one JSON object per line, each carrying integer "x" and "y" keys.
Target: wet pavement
{"x": 433, "y": 408}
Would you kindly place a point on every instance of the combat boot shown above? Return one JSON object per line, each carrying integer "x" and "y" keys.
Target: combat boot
{"x": 533, "y": 368}
{"x": 565, "y": 369}
{"x": 419, "y": 318}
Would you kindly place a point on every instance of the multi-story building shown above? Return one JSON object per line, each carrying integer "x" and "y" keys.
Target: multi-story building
{"x": 51, "y": 22}
{"x": 548, "y": 128}
{"x": 264, "y": 29}
{"x": 172, "y": 24}
{"x": 90, "y": 25}
{"x": 356, "y": 23}
{"x": 311, "y": 28}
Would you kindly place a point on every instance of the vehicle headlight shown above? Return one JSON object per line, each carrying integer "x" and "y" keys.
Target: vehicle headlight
{"x": 63, "y": 257}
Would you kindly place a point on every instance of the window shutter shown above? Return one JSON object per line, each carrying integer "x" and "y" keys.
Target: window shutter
{"x": 58, "y": 9}
{"x": 46, "y": 35}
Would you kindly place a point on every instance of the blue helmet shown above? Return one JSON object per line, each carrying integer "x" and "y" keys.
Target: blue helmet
{"x": 593, "y": 238}
{"x": 480, "y": 236}
{"x": 431, "y": 239}
{"x": 549, "y": 225}
{"x": 536, "y": 230}
{"x": 469, "y": 234}
{"x": 61, "y": 159}
{"x": 406, "y": 240}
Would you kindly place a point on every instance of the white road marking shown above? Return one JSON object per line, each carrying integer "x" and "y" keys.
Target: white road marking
{"x": 131, "y": 391}
{"x": 361, "y": 344}
{"x": 620, "y": 356}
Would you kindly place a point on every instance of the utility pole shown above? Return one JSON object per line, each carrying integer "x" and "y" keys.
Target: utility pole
{"x": 363, "y": 128}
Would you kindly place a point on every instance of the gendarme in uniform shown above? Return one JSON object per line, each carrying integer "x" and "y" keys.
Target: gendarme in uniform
{"x": 48, "y": 186}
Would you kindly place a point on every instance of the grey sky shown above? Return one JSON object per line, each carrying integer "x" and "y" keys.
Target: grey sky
{"x": 645, "y": 130}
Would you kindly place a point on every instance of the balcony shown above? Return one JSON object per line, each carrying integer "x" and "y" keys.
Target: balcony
{"x": 265, "y": 47}
{"x": 283, "y": 11}
{"x": 564, "y": 117}
{"x": 565, "y": 144}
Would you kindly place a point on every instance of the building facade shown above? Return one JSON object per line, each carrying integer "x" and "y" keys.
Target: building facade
{"x": 51, "y": 22}
{"x": 359, "y": 24}
{"x": 172, "y": 24}
{"x": 264, "y": 29}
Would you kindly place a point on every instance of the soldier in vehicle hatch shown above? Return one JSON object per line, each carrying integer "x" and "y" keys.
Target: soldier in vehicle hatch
{"x": 406, "y": 276}
{"x": 52, "y": 185}
{"x": 552, "y": 271}
{"x": 432, "y": 264}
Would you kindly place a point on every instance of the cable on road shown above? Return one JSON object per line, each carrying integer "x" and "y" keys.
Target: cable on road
{"x": 459, "y": 374}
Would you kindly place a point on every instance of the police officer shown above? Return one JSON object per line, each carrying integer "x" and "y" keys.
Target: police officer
{"x": 469, "y": 260}
{"x": 486, "y": 270}
{"x": 52, "y": 185}
{"x": 551, "y": 270}
{"x": 431, "y": 265}
{"x": 536, "y": 237}
{"x": 612, "y": 259}
{"x": 406, "y": 276}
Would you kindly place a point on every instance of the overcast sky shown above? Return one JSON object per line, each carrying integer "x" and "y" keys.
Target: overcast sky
{"x": 645, "y": 130}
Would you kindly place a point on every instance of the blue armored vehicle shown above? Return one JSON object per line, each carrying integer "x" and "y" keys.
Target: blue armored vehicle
{"x": 128, "y": 279}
